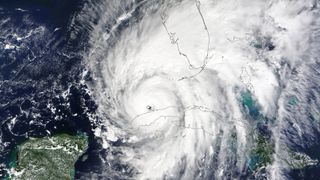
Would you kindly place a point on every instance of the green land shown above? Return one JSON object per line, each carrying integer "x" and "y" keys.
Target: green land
{"x": 49, "y": 158}
{"x": 261, "y": 154}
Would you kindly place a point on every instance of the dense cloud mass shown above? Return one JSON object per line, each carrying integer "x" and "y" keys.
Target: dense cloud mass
{"x": 165, "y": 89}
{"x": 205, "y": 89}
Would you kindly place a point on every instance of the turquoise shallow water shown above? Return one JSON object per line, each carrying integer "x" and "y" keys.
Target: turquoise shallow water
{"x": 250, "y": 104}
{"x": 43, "y": 90}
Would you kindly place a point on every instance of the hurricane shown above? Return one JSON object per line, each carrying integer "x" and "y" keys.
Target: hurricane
{"x": 204, "y": 89}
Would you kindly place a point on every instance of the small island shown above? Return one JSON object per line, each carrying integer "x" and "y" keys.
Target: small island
{"x": 48, "y": 158}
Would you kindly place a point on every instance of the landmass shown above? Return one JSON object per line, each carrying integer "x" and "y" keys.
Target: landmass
{"x": 48, "y": 158}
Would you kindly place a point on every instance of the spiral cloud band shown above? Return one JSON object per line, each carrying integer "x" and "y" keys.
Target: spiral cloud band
{"x": 202, "y": 89}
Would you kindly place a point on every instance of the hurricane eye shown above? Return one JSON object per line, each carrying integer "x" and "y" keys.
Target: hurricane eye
{"x": 198, "y": 89}
{"x": 149, "y": 108}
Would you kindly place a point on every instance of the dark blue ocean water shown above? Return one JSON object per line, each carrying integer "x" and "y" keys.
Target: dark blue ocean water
{"x": 41, "y": 92}
{"x": 40, "y": 70}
